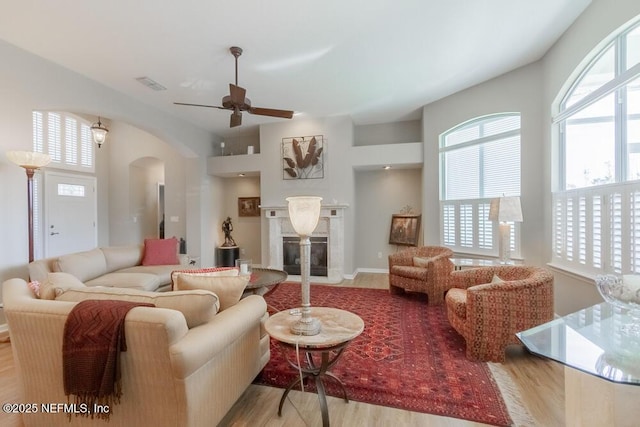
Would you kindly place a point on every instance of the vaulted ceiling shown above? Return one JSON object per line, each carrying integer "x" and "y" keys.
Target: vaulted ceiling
{"x": 377, "y": 61}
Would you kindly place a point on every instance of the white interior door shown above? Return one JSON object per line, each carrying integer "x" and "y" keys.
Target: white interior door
{"x": 70, "y": 213}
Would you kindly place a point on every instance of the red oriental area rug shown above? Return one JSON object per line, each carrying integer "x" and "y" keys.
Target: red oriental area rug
{"x": 408, "y": 356}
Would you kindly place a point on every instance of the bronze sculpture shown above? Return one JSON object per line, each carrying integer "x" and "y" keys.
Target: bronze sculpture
{"x": 227, "y": 228}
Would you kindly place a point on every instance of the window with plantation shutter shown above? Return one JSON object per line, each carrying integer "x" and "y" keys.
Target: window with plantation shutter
{"x": 66, "y": 138}
{"x": 596, "y": 207}
{"x": 479, "y": 160}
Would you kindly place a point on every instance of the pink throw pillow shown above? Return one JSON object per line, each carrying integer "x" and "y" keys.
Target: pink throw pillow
{"x": 160, "y": 252}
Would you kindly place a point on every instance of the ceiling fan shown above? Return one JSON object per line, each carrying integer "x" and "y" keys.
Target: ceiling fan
{"x": 237, "y": 102}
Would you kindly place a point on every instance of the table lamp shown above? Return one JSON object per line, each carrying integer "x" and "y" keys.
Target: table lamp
{"x": 505, "y": 210}
{"x": 304, "y": 212}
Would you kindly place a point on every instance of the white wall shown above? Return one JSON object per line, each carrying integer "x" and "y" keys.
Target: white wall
{"x": 337, "y": 186}
{"x": 127, "y": 144}
{"x": 379, "y": 195}
{"x": 517, "y": 91}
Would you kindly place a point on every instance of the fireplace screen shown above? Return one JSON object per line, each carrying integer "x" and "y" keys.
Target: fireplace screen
{"x": 291, "y": 256}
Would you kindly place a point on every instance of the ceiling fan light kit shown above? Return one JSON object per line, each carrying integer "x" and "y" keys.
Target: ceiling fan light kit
{"x": 237, "y": 101}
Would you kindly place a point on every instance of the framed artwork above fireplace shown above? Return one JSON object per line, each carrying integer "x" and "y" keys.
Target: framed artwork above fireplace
{"x": 302, "y": 157}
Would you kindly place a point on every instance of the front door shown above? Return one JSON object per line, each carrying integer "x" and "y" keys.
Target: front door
{"x": 69, "y": 213}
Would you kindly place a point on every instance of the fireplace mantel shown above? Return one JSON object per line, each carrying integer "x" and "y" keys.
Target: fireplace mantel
{"x": 330, "y": 225}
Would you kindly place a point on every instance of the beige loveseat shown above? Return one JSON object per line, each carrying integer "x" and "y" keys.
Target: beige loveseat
{"x": 171, "y": 375}
{"x": 116, "y": 266}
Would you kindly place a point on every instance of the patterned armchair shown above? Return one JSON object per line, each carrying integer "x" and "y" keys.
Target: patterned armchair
{"x": 423, "y": 269}
{"x": 488, "y": 314}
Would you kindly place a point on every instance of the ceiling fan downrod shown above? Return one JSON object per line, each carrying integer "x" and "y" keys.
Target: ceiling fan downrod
{"x": 236, "y": 52}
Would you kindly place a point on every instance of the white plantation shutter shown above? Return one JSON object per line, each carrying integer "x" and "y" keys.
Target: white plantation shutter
{"x": 615, "y": 240}
{"x": 596, "y": 235}
{"x": 466, "y": 225}
{"x": 582, "y": 230}
{"x": 38, "y": 131}
{"x": 449, "y": 225}
{"x": 597, "y": 230}
{"x": 66, "y": 138}
{"x": 54, "y": 137}
{"x": 479, "y": 160}
{"x": 86, "y": 146}
{"x": 634, "y": 230}
{"x": 71, "y": 140}
{"x": 485, "y": 227}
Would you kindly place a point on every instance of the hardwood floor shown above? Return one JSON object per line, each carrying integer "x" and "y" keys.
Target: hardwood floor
{"x": 538, "y": 382}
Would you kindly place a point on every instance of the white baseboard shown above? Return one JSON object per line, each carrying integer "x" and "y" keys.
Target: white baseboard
{"x": 372, "y": 270}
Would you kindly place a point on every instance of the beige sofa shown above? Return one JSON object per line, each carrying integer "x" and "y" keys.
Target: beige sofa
{"x": 171, "y": 375}
{"x": 116, "y": 266}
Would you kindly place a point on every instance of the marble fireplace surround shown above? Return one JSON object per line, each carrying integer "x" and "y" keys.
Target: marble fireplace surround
{"x": 330, "y": 225}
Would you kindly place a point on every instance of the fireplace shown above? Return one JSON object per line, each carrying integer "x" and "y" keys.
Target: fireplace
{"x": 330, "y": 228}
{"x": 318, "y": 258}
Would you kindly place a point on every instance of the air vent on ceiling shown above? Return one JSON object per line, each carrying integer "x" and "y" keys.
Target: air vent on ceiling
{"x": 151, "y": 83}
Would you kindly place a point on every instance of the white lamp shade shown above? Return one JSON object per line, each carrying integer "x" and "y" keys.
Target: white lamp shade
{"x": 304, "y": 212}
{"x": 505, "y": 209}
{"x": 29, "y": 159}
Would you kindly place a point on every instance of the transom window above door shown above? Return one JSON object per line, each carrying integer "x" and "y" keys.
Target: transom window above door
{"x": 66, "y": 138}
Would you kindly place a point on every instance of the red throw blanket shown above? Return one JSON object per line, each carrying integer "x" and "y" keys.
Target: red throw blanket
{"x": 92, "y": 341}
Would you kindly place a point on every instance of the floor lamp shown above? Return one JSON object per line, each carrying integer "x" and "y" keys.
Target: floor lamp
{"x": 30, "y": 161}
{"x": 304, "y": 212}
{"x": 505, "y": 210}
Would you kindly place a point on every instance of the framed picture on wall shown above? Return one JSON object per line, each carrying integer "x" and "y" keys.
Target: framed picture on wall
{"x": 248, "y": 206}
{"x": 405, "y": 229}
{"x": 302, "y": 157}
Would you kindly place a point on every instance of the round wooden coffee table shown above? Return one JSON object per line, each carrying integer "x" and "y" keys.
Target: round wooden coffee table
{"x": 263, "y": 279}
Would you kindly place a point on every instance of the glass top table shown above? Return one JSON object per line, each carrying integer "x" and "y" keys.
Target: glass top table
{"x": 590, "y": 340}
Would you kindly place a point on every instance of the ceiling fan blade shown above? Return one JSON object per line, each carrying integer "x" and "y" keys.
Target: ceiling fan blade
{"x": 284, "y": 114}
{"x": 199, "y": 105}
{"x": 236, "y": 119}
{"x": 237, "y": 94}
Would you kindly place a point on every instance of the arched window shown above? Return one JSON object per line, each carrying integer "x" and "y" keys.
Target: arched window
{"x": 479, "y": 160}
{"x": 596, "y": 207}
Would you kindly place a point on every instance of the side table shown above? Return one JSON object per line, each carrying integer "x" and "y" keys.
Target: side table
{"x": 226, "y": 256}
{"x": 263, "y": 279}
{"x": 339, "y": 328}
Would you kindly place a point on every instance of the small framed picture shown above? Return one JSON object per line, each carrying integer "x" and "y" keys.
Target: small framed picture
{"x": 248, "y": 206}
{"x": 405, "y": 229}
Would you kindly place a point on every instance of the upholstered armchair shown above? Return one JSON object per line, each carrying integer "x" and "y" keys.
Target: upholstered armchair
{"x": 423, "y": 269}
{"x": 488, "y": 305}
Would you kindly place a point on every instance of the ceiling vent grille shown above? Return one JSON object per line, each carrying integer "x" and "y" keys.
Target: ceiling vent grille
{"x": 150, "y": 83}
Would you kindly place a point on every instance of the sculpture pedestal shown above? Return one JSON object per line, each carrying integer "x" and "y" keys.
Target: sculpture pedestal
{"x": 226, "y": 256}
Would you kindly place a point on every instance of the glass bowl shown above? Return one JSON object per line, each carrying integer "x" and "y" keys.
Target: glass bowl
{"x": 624, "y": 292}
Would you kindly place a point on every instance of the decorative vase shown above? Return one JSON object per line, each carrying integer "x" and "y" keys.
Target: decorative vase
{"x": 624, "y": 292}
